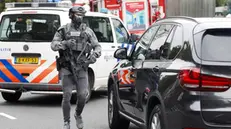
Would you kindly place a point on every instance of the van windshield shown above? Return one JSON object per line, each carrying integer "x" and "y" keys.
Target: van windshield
{"x": 29, "y": 27}
{"x": 214, "y": 45}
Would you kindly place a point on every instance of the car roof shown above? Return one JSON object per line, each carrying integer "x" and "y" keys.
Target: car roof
{"x": 198, "y": 20}
{"x": 197, "y": 23}
{"x": 212, "y": 19}
{"x": 54, "y": 9}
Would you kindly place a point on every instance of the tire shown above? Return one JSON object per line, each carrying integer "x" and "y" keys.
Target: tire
{"x": 115, "y": 120}
{"x": 11, "y": 97}
{"x": 73, "y": 98}
{"x": 90, "y": 86}
{"x": 159, "y": 121}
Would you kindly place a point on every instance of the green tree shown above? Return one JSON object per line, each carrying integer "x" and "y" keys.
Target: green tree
{"x": 2, "y": 4}
{"x": 221, "y": 2}
{"x": 1, "y": 7}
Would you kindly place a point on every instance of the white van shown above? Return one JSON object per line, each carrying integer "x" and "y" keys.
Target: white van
{"x": 27, "y": 63}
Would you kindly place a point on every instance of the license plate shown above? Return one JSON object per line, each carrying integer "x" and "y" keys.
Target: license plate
{"x": 26, "y": 60}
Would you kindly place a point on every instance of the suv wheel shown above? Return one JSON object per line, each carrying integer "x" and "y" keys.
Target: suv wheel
{"x": 156, "y": 120}
{"x": 115, "y": 120}
{"x": 11, "y": 97}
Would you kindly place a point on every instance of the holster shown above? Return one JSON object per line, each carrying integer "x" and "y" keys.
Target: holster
{"x": 58, "y": 63}
{"x": 61, "y": 63}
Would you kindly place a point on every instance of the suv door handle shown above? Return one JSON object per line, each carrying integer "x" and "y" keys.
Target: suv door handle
{"x": 112, "y": 46}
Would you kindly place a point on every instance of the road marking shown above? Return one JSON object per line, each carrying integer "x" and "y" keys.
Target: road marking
{"x": 7, "y": 116}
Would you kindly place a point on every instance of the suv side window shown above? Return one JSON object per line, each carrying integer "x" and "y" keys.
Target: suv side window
{"x": 176, "y": 43}
{"x": 122, "y": 35}
{"x": 143, "y": 44}
{"x": 158, "y": 45}
{"x": 146, "y": 38}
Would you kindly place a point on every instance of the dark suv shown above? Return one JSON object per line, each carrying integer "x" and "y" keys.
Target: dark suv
{"x": 177, "y": 77}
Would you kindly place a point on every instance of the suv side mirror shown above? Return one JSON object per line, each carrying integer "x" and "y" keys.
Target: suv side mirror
{"x": 121, "y": 53}
{"x": 164, "y": 50}
{"x": 153, "y": 54}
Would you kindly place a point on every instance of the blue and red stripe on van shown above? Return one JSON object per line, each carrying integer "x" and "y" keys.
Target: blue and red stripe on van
{"x": 9, "y": 74}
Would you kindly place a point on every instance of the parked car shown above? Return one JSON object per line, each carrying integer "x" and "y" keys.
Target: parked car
{"x": 177, "y": 76}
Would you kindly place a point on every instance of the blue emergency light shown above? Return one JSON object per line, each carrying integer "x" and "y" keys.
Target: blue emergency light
{"x": 104, "y": 10}
{"x": 53, "y": 1}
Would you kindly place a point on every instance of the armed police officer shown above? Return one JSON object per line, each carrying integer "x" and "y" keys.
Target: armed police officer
{"x": 78, "y": 47}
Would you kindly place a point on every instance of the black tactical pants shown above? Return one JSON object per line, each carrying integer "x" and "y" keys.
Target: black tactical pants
{"x": 82, "y": 89}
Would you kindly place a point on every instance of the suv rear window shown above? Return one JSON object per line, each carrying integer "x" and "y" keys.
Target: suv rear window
{"x": 29, "y": 27}
{"x": 214, "y": 45}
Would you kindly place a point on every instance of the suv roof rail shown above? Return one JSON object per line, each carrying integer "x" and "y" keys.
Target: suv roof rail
{"x": 181, "y": 17}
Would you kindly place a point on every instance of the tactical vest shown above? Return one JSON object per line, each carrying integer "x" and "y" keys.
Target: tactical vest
{"x": 80, "y": 36}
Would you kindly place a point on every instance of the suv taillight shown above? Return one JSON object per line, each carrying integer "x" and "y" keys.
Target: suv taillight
{"x": 191, "y": 79}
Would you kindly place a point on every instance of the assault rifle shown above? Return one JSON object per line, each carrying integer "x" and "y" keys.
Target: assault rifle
{"x": 75, "y": 63}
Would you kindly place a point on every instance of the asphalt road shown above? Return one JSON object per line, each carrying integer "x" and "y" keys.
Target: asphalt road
{"x": 44, "y": 112}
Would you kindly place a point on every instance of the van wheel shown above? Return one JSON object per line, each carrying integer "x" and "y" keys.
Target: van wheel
{"x": 11, "y": 97}
{"x": 156, "y": 119}
{"x": 115, "y": 120}
{"x": 90, "y": 86}
{"x": 73, "y": 98}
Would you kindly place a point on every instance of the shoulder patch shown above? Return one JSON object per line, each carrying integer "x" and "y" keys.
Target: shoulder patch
{"x": 62, "y": 27}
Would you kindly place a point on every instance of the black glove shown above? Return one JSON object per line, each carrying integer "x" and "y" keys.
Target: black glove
{"x": 60, "y": 47}
{"x": 96, "y": 54}
{"x": 92, "y": 59}
{"x": 69, "y": 43}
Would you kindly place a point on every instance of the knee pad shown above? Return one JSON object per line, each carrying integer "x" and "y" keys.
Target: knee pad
{"x": 82, "y": 94}
{"x": 67, "y": 96}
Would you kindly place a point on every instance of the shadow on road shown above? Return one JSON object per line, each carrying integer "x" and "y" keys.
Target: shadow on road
{"x": 28, "y": 99}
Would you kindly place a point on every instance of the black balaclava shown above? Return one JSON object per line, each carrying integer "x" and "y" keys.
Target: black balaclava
{"x": 77, "y": 20}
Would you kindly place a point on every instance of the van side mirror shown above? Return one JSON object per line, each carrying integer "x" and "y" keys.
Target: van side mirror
{"x": 121, "y": 53}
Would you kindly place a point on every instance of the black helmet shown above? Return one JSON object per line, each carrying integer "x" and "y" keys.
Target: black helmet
{"x": 77, "y": 10}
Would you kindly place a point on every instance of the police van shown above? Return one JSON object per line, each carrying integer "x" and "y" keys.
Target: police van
{"x": 27, "y": 63}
